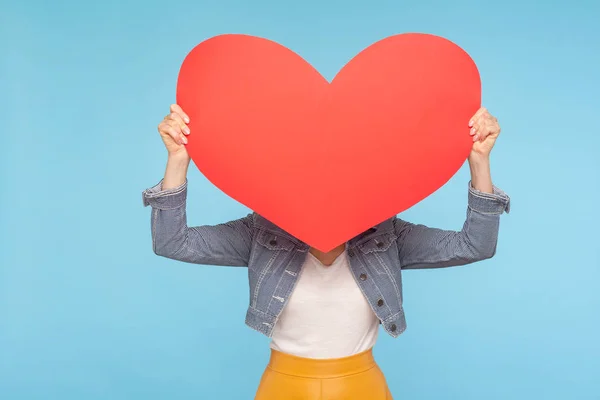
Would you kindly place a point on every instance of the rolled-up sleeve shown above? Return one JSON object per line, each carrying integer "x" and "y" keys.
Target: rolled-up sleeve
{"x": 488, "y": 203}
{"x": 167, "y": 199}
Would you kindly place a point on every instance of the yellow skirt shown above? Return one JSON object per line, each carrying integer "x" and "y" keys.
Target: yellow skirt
{"x": 357, "y": 377}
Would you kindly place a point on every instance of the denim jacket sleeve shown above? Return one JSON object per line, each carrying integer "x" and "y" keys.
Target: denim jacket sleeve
{"x": 423, "y": 247}
{"x": 225, "y": 244}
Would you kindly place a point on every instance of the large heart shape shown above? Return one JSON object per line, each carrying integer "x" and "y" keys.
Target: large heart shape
{"x": 326, "y": 161}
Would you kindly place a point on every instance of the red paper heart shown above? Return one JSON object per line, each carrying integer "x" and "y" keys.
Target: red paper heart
{"x": 328, "y": 161}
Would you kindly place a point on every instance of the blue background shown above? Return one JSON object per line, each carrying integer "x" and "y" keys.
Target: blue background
{"x": 87, "y": 311}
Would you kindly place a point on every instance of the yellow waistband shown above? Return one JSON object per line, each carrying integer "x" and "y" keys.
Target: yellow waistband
{"x": 321, "y": 368}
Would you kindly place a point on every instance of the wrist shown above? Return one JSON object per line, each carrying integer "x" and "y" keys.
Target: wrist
{"x": 481, "y": 178}
{"x": 176, "y": 171}
{"x": 179, "y": 158}
{"x": 477, "y": 159}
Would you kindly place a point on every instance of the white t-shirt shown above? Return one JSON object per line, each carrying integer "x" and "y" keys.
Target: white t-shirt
{"x": 327, "y": 315}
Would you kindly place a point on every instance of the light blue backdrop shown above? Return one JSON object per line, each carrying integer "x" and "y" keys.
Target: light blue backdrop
{"x": 87, "y": 311}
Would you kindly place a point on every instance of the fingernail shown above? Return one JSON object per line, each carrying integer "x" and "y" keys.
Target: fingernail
{"x": 187, "y": 120}
{"x": 470, "y": 123}
{"x": 472, "y": 131}
{"x": 184, "y": 139}
{"x": 186, "y": 130}
{"x": 475, "y": 138}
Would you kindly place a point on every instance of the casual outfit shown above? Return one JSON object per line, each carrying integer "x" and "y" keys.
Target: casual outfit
{"x": 314, "y": 315}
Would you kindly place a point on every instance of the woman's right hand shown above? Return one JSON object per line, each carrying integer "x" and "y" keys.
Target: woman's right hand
{"x": 173, "y": 130}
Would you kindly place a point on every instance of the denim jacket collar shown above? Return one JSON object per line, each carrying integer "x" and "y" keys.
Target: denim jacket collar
{"x": 382, "y": 228}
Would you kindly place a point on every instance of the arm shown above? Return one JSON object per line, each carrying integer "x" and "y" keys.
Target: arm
{"x": 224, "y": 244}
{"x": 424, "y": 247}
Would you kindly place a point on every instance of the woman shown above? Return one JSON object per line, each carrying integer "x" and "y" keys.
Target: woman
{"x": 323, "y": 310}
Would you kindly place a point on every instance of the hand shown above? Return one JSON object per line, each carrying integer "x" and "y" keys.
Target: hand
{"x": 173, "y": 130}
{"x": 484, "y": 130}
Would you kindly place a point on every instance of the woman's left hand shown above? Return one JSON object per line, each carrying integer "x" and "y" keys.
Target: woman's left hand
{"x": 484, "y": 130}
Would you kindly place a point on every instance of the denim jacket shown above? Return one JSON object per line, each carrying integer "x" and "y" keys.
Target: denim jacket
{"x": 274, "y": 258}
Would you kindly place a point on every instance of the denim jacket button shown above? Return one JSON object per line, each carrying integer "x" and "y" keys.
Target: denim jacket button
{"x": 380, "y": 303}
{"x": 363, "y": 277}
{"x": 351, "y": 253}
{"x": 379, "y": 244}
{"x": 393, "y": 327}
{"x": 273, "y": 242}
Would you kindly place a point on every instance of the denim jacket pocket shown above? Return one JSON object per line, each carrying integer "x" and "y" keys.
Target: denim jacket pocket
{"x": 274, "y": 242}
{"x": 268, "y": 248}
{"x": 379, "y": 243}
{"x": 377, "y": 252}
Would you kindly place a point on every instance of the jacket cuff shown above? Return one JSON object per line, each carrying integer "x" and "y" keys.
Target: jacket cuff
{"x": 488, "y": 203}
{"x": 167, "y": 199}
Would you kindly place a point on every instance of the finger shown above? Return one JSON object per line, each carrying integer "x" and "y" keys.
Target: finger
{"x": 170, "y": 123}
{"x": 164, "y": 126}
{"x": 477, "y": 116}
{"x": 175, "y": 108}
{"x": 176, "y": 134}
{"x": 475, "y": 128}
{"x": 172, "y": 129}
{"x": 483, "y": 133}
{"x": 178, "y": 119}
{"x": 488, "y": 129}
